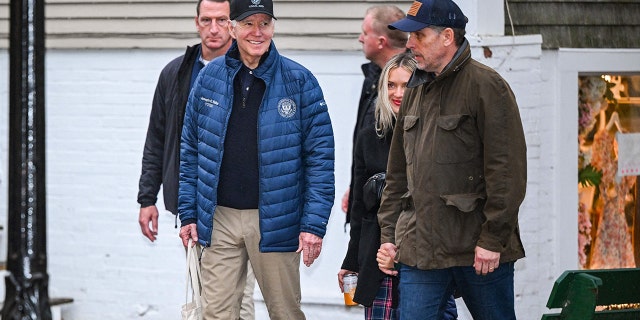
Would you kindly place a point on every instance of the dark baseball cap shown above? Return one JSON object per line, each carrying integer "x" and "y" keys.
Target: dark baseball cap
{"x": 240, "y": 9}
{"x": 424, "y": 13}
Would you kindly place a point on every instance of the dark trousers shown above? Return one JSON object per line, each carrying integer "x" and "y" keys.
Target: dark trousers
{"x": 427, "y": 294}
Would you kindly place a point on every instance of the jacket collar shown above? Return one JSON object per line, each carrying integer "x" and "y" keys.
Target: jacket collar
{"x": 462, "y": 56}
{"x": 371, "y": 71}
{"x": 266, "y": 61}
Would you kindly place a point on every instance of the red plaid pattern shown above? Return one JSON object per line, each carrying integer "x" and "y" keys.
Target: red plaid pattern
{"x": 381, "y": 308}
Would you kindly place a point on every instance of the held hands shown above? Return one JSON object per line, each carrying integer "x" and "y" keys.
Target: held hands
{"x": 149, "y": 215}
{"x": 386, "y": 258}
{"x": 310, "y": 245}
{"x": 189, "y": 232}
{"x": 485, "y": 261}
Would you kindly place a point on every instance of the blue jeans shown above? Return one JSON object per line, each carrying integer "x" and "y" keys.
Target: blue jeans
{"x": 426, "y": 294}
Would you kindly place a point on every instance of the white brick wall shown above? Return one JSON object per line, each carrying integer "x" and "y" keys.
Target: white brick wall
{"x": 98, "y": 102}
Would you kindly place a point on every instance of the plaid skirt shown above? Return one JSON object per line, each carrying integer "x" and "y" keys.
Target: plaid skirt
{"x": 381, "y": 307}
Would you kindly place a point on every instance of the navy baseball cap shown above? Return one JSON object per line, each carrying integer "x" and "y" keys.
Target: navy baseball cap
{"x": 424, "y": 13}
{"x": 240, "y": 9}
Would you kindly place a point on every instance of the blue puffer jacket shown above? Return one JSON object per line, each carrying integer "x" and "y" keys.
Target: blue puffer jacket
{"x": 296, "y": 150}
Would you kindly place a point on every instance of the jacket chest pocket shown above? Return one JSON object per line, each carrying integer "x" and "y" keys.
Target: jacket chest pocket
{"x": 410, "y": 136}
{"x": 456, "y": 139}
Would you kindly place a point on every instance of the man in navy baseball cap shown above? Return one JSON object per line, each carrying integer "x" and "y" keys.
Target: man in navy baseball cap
{"x": 424, "y": 13}
{"x": 458, "y": 230}
{"x": 265, "y": 200}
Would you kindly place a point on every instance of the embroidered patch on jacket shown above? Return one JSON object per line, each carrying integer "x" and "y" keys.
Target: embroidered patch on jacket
{"x": 209, "y": 102}
{"x": 413, "y": 11}
{"x": 286, "y": 108}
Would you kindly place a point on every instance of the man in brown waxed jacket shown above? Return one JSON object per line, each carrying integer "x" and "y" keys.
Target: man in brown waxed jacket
{"x": 456, "y": 175}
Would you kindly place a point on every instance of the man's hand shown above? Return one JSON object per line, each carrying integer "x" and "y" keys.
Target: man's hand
{"x": 310, "y": 245}
{"x": 149, "y": 215}
{"x": 386, "y": 258}
{"x": 188, "y": 232}
{"x": 345, "y": 201}
{"x": 485, "y": 261}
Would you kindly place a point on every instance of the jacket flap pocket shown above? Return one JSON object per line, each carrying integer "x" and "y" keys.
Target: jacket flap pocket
{"x": 406, "y": 201}
{"x": 409, "y": 122}
{"x": 450, "y": 122}
{"x": 465, "y": 202}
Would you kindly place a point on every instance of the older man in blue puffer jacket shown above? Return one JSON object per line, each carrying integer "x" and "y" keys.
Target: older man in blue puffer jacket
{"x": 256, "y": 169}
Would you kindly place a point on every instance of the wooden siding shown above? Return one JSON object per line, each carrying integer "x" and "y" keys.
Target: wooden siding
{"x": 301, "y": 25}
{"x": 577, "y": 23}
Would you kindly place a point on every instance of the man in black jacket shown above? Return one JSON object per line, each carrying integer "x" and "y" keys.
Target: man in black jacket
{"x": 379, "y": 44}
{"x": 160, "y": 160}
{"x": 161, "y": 157}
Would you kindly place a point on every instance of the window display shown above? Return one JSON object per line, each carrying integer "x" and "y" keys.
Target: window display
{"x": 608, "y": 214}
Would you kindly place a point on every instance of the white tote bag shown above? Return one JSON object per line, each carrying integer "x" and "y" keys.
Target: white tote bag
{"x": 192, "y": 310}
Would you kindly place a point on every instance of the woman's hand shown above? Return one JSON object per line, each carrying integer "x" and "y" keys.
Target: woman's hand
{"x": 341, "y": 274}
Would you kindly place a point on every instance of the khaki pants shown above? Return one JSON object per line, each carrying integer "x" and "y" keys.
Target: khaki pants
{"x": 247, "y": 309}
{"x": 234, "y": 242}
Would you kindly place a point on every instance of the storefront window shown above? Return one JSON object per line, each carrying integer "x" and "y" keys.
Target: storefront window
{"x": 609, "y": 144}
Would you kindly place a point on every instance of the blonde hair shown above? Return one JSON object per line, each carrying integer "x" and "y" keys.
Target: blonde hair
{"x": 385, "y": 117}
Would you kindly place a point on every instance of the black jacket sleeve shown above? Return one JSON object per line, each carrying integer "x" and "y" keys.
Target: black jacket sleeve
{"x": 359, "y": 171}
{"x": 152, "y": 158}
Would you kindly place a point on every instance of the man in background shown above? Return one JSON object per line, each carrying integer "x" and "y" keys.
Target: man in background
{"x": 161, "y": 156}
{"x": 379, "y": 44}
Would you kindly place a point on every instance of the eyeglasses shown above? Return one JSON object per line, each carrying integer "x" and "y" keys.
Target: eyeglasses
{"x": 221, "y": 22}
{"x": 248, "y": 24}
